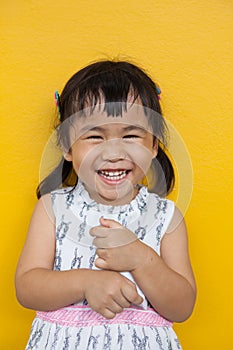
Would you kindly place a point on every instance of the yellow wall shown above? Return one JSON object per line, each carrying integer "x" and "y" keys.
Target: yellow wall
{"x": 187, "y": 46}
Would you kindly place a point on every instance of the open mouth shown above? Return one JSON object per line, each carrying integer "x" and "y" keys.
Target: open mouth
{"x": 113, "y": 175}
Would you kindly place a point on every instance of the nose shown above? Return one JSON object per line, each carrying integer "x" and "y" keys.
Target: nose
{"x": 113, "y": 150}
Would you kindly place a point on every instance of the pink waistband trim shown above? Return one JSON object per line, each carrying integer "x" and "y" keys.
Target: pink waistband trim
{"x": 83, "y": 316}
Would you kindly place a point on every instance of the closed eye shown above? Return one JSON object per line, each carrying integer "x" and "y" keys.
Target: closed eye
{"x": 95, "y": 137}
{"x": 131, "y": 136}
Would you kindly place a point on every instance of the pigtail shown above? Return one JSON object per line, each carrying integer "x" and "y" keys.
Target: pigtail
{"x": 61, "y": 175}
{"x": 164, "y": 172}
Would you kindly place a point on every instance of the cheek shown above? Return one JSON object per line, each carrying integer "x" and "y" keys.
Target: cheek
{"x": 86, "y": 159}
{"x": 141, "y": 156}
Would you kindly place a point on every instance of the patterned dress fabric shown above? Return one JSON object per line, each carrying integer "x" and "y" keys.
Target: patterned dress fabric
{"x": 78, "y": 326}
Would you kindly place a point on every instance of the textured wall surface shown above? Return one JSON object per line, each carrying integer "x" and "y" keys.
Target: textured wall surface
{"x": 187, "y": 47}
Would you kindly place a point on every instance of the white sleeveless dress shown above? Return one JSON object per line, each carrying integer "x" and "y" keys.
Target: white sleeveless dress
{"x": 78, "y": 326}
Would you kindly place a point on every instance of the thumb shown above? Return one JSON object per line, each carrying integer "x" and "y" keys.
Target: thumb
{"x": 101, "y": 263}
{"x": 109, "y": 223}
{"x": 138, "y": 300}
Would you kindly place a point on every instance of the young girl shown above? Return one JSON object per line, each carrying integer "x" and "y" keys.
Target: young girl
{"x": 106, "y": 261}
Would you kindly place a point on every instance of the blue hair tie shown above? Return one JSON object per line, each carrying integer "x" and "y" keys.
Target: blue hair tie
{"x": 158, "y": 91}
{"x": 58, "y": 104}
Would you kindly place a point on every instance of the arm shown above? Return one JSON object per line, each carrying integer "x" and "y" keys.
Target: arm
{"x": 39, "y": 287}
{"x": 166, "y": 280}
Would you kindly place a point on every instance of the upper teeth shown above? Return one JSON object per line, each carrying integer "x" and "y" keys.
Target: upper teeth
{"x": 115, "y": 175}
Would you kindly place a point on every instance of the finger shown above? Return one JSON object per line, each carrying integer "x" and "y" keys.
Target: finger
{"x": 107, "y": 313}
{"x": 122, "y": 301}
{"x": 93, "y": 229}
{"x": 101, "y": 263}
{"x": 115, "y": 308}
{"x": 100, "y": 242}
{"x": 98, "y": 231}
{"x": 131, "y": 294}
{"x": 109, "y": 223}
{"x": 111, "y": 310}
{"x": 102, "y": 253}
{"x": 138, "y": 300}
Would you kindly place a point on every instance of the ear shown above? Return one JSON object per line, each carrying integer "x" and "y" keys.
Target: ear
{"x": 155, "y": 147}
{"x": 68, "y": 156}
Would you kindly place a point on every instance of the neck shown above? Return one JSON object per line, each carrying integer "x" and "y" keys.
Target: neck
{"x": 113, "y": 198}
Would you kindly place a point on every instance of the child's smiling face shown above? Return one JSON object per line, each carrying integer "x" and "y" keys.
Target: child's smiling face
{"x": 112, "y": 154}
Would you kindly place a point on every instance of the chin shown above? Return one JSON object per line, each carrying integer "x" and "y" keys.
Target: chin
{"x": 110, "y": 198}
{"x": 118, "y": 197}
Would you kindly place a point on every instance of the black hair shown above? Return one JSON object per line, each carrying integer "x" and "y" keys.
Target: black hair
{"x": 111, "y": 81}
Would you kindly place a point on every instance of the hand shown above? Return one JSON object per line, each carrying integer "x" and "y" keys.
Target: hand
{"x": 118, "y": 248}
{"x": 108, "y": 293}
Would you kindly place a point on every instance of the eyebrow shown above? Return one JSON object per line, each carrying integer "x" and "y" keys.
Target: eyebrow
{"x": 100, "y": 129}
